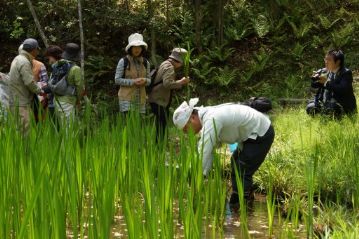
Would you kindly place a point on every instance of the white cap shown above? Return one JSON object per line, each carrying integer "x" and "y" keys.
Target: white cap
{"x": 183, "y": 113}
{"x": 135, "y": 39}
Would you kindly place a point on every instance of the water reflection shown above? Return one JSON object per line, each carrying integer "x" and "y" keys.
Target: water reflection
{"x": 257, "y": 217}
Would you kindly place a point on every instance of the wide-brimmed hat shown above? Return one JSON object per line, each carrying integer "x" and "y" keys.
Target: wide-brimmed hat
{"x": 135, "y": 39}
{"x": 72, "y": 52}
{"x": 184, "y": 112}
{"x": 178, "y": 54}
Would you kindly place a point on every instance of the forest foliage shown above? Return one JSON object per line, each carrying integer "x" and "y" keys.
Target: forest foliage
{"x": 239, "y": 48}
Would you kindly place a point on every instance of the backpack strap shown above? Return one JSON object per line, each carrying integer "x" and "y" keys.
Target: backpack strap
{"x": 153, "y": 75}
{"x": 145, "y": 63}
{"x": 157, "y": 83}
{"x": 125, "y": 64}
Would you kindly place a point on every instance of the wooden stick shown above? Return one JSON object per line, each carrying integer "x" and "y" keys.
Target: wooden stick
{"x": 82, "y": 39}
{"x": 37, "y": 23}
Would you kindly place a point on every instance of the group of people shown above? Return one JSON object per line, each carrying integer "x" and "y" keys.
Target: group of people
{"x": 133, "y": 75}
{"x": 227, "y": 123}
{"x": 28, "y": 88}
{"x": 252, "y": 131}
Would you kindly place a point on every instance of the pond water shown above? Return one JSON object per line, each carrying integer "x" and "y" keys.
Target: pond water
{"x": 257, "y": 225}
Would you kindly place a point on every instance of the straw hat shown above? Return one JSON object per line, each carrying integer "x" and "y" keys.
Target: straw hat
{"x": 135, "y": 39}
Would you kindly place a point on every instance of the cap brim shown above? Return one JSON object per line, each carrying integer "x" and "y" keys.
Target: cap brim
{"x": 176, "y": 59}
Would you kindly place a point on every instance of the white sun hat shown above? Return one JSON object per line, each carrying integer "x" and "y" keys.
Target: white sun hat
{"x": 135, "y": 39}
{"x": 183, "y": 113}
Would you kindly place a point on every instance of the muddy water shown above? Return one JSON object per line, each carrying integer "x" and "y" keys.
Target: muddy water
{"x": 257, "y": 225}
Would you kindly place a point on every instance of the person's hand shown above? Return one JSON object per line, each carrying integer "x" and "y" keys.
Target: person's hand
{"x": 184, "y": 81}
{"x": 322, "y": 79}
{"x": 315, "y": 74}
{"x": 42, "y": 93}
{"x": 140, "y": 82}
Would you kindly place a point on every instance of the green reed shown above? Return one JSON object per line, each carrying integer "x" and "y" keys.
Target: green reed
{"x": 74, "y": 181}
{"x": 271, "y": 206}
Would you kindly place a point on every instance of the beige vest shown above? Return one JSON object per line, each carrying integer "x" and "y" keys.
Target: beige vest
{"x": 127, "y": 93}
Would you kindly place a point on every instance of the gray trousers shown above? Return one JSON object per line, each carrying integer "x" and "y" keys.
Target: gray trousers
{"x": 248, "y": 160}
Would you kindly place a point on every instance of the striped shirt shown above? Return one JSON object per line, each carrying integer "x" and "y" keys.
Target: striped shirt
{"x": 43, "y": 74}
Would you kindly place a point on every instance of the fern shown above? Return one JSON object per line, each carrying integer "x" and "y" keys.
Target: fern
{"x": 326, "y": 23}
{"x": 220, "y": 53}
{"x": 261, "y": 60}
{"x": 238, "y": 33}
{"x": 224, "y": 76}
{"x": 261, "y": 25}
{"x": 302, "y": 30}
{"x": 204, "y": 72}
{"x": 343, "y": 36}
{"x": 298, "y": 51}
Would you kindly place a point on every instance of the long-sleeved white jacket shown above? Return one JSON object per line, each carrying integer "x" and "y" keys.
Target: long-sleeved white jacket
{"x": 228, "y": 123}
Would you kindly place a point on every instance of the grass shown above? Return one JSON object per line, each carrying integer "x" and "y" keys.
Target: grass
{"x": 77, "y": 180}
{"x": 301, "y": 139}
{"x": 313, "y": 161}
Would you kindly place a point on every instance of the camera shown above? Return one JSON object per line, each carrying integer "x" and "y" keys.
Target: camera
{"x": 317, "y": 74}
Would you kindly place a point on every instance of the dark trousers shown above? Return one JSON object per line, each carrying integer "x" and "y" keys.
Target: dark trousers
{"x": 331, "y": 109}
{"x": 161, "y": 116}
{"x": 250, "y": 158}
{"x": 313, "y": 109}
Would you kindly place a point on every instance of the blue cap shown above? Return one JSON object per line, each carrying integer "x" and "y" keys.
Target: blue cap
{"x": 30, "y": 44}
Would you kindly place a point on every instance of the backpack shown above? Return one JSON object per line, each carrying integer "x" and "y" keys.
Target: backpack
{"x": 4, "y": 94}
{"x": 58, "y": 81}
{"x": 152, "y": 85}
{"x": 262, "y": 104}
{"x": 153, "y": 73}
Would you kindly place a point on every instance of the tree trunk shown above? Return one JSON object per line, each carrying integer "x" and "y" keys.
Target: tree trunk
{"x": 167, "y": 12}
{"x": 150, "y": 12}
{"x": 127, "y": 5}
{"x": 220, "y": 21}
{"x": 37, "y": 23}
{"x": 82, "y": 39}
{"x": 198, "y": 20}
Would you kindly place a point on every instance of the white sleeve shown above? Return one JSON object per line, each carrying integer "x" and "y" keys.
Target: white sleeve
{"x": 208, "y": 141}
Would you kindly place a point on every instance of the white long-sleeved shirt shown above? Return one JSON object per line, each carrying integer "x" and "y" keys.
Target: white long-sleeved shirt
{"x": 228, "y": 123}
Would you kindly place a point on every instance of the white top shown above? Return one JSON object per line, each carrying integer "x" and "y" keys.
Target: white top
{"x": 228, "y": 123}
